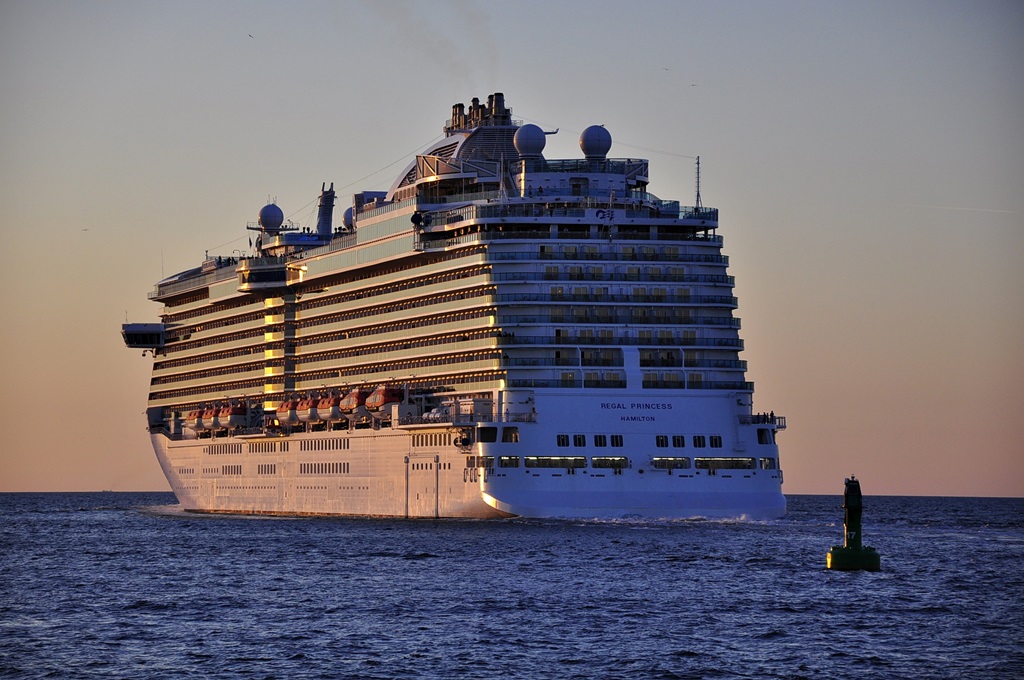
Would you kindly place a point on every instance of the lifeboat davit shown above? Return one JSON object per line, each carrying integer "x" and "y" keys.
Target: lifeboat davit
{"x": 232, "y": 416}
{"x": 329, "y": 409}
{"x": 382, "y": 395}
{"x": 286, "y": 414}
{"x": 194, "y": 420}
{"x": 307, "y": 411}
{"x": 353, "y": 400}
{"x": 211, "y": 419}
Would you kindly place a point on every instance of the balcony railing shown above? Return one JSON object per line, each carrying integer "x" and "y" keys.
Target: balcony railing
{"x": 653, "y": 277}
{"x": 513, "y": 339}
{"x": 598, "y": 318}
{"x": 764, "y": 419}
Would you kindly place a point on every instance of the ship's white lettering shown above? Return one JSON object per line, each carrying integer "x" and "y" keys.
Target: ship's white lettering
{"x": 635, "y": 406}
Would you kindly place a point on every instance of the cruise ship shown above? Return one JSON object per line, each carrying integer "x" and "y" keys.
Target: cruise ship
{"x": 498, "y": 334}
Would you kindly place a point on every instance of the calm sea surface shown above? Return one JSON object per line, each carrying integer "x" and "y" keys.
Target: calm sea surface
{"x": 126, "y": 585}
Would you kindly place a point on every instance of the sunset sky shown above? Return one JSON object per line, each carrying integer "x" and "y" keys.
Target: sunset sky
{"x": 867, "y": 159}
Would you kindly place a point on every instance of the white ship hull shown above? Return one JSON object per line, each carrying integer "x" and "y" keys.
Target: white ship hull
{"x": 387, "y": 472}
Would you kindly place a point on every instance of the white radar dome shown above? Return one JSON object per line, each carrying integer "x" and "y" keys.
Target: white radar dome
{"x": 595, "y": 142}
{"x": 271, "y": 217}
{"x": 529, "y": 141}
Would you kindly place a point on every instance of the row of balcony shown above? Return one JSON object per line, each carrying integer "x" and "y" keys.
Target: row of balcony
{"x": 511, "y": 339}
{"x": 576, "y": 203}
{"x": 657, "y": 276}
{"x": 543, "y": 362}
{"x": 629, "y": 315}
{"x": 576, "y": 382}
{"x": 442, "y": 241}
{"x": 717, "y": 300}
{"x": 697, "y": 258}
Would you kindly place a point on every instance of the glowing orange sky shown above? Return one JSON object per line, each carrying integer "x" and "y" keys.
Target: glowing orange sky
{"x": 867, "y": 159}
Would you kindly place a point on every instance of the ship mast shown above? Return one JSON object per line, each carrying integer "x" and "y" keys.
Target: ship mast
{"x": 697, "y": 204}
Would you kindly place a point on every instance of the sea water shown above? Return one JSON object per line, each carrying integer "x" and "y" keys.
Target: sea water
{"x": 128, "y": 585}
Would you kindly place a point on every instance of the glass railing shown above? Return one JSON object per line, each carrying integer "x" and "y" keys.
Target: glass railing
{"x": 196, "y": 281}
{"x": 608, "y": 257}
{"x": 508, "y": 339}
{"x": 713, "y": 279}
{"x": 570, "y": 205}
{"x": 724, "y": 300}
{"x": 545, "y": 235}
{"x": 674, "y": 319}
{"x": 738, "y": 386}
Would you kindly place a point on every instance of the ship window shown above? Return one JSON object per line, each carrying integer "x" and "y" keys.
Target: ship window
{"x": 661, "y": 441}
{"x": 600, "y": 440}
{"x": 614, "y": 462}
{"x": 487, "y": 434}
{"x": 579, "y": 440}
{"x": 678, "y": 441}
{"x": 716, "y": 441}
{"x": 724, "y": 463}
{"x": 764, "y": 436}
{"x": 767, "y": 463}
{"x": 616, "y": 440}
{"x": 700, "y": 441}
{"x": 510, "y": 434}
{"x": 563, "y": 440}
{"x": 663, "y": 463}
{"x": 556, "y": 461}
{"x": 508, "y": 461}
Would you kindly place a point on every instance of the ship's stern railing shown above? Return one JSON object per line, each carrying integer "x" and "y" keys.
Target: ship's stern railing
{"x": 764, "y": 419}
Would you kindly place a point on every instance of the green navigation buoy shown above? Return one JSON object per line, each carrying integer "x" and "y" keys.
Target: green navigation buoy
{"x": 852, "y": 555}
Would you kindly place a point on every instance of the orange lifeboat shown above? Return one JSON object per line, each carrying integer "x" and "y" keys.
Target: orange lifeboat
{"x": 232, "y": 416}
{"x": 382, "y": 395}
{"x": 353, "y": 400}
{"x": 194, "y": 420}
{"x": 286, "y": 414}
{"x": 211, "y": 420}
{"x": 329, "y": 408}
{"x": 307, "y": 411}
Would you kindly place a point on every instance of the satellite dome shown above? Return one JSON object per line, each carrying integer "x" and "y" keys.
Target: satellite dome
{"x": 271, "y": 217}
{"x": 595, "y": 142}
{"x": 347, "y": 220}
{"x": 529, "y": 141}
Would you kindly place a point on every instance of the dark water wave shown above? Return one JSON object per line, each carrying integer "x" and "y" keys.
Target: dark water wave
{"x": 128, "y": 585}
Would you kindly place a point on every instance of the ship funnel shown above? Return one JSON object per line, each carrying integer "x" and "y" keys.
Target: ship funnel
{"x": 325, "y": 219}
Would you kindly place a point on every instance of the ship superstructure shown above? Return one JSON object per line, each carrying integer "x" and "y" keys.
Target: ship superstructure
{"x": 497, "y": 334}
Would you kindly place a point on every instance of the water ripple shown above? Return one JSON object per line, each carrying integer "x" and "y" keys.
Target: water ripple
{"x": 127, "y": 585}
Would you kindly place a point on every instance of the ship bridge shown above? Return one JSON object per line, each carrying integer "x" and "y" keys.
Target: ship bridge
{"x": 143, "y": 335}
